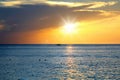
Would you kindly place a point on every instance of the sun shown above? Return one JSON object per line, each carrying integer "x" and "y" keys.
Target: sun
{"x": 69, "y": 28}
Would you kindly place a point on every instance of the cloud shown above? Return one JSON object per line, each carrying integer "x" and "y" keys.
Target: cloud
{"x": 115, "y": 7}
{"x": 102, "y": 4}
{"x": 16, "y": 3}
{"x": 77, "y": 4}
{"x": 10, "y": 3}
{"x": 101, "y": 12}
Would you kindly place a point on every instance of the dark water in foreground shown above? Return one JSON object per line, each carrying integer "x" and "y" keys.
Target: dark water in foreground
{"x": 65, "y": 62}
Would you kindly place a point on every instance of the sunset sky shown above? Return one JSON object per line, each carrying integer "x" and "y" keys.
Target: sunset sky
{"x": 59, "y": 21}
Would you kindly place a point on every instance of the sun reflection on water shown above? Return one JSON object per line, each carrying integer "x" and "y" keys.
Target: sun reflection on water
{"x": 69, "y": 49}
{"x": 72, "y": 67}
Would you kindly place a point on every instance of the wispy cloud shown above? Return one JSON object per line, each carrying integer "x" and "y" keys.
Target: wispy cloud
{"x": 102, "y": 4}
{"x": 101, "y": 12}
{"x": 16, "y": 3}
{"x": 10, "y": 3}
{"x": 78, "y": 4}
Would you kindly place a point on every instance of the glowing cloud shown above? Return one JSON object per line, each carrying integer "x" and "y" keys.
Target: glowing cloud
{"x": 17, "y": 3}
{"x": 102, "y": 4}
{"x": 10, "y": 3}
{"x": 102, "y": 12}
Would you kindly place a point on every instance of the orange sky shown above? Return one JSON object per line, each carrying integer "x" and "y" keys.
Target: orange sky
{"x": 106, "y": 31}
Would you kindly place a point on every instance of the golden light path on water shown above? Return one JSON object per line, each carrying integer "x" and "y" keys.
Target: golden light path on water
{"x": 73, "y": 72}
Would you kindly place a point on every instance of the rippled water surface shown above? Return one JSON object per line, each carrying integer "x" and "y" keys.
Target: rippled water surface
{"x": 59, "y": 62}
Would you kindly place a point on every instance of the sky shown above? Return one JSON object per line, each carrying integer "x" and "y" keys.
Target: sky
{"x": 59, "y": 21}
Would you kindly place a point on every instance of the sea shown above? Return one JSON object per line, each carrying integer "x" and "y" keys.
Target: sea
{"x": 60, "y": 62}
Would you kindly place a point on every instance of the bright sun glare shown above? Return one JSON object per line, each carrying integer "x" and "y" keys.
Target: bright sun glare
{"x": 69, "y": 27}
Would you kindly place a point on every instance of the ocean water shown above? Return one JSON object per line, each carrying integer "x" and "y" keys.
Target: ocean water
{"x": 59, "y": 62}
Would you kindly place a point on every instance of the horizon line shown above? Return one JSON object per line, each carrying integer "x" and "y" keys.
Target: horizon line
{"x": 61, "y": 44}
